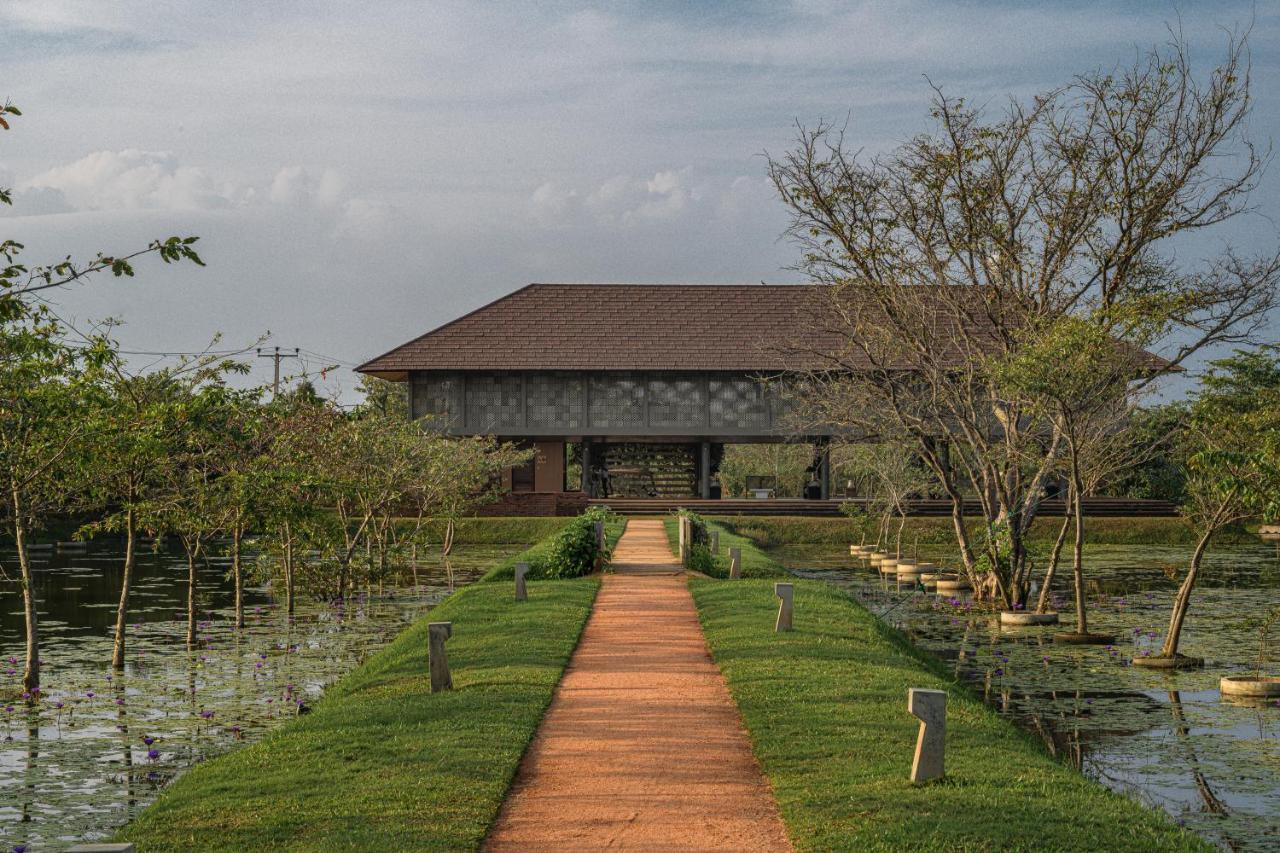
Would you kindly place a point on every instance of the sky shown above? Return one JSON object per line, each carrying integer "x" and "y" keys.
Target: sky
{"x": 359, "y": 173}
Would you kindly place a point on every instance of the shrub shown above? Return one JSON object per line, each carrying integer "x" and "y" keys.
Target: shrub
{"x": 701, "y": 559}
{"x": 574, "y": 551}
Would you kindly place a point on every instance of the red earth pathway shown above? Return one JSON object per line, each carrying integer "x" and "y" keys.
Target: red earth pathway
{"x": 642, "y": 747}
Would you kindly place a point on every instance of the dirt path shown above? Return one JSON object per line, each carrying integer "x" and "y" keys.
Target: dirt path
{"x": 642, "y": 746}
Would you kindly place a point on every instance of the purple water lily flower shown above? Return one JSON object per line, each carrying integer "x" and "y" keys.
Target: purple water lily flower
{"x": 153, "y": 754}
{"x": 148, "y": 740}
{"x": 208, "y": 715}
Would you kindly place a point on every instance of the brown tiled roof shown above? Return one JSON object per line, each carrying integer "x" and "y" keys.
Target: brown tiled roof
{"x": 677, "y": 327}
{"x": 617, "y": 327}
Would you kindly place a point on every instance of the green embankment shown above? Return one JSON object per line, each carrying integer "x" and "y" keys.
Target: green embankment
{"x": 382, "y": 763}
{"x": 825, "y": 706}
{"x": 772, "y": 531}
{"x": 755, "y": 562}
{"x": 506, "y": 570}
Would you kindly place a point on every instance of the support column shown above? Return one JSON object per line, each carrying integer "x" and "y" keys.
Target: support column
{"x": 704, "y": 471}
{"x": 548, "y": 466}
{"x": 586, "y": 467}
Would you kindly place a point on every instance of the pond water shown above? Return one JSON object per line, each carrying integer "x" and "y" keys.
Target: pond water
{"x": 1167, "y": 739}
{"x": 101, "y": 745}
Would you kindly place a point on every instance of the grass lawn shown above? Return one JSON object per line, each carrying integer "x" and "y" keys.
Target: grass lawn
{"x": 382, "y": 763}
{"x": 825, "y": 706}
{"x": 771, "y": 531}
{"x": 755, "y": 562}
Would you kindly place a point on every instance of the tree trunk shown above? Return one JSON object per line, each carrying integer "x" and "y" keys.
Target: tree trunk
{"x": 192, "y": 552}
{"x": 1043, "y": 604}
{"x": 237, "y": 535}
{"x": 1077, "y": 547}
{"x": 31, "y": 669}
{"x": 288, "y": 569}
{"x": 122, "y": 612}
{"x": 1182, "y": 600}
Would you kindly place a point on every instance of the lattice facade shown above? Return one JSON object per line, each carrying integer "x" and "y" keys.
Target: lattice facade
{"x": 598, "y": 404}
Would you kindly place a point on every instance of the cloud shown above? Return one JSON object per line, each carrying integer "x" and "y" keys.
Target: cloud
{"x": 298, "y": 185}
{"x": 131, "y": 180}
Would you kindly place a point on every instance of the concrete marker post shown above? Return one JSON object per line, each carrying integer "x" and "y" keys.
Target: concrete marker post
{"x": 786, "y": 592}
{"x": 437, "y": 633}
{"x": 103, "y": 847}
{"x": 930, "y": 707}
{"x": 715, "y": 543}
{"x": 735, "y": 563}
{"x": 522, "y": 591}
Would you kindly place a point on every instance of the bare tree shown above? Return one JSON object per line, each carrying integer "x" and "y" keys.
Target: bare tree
{"x": 946, "y": 255}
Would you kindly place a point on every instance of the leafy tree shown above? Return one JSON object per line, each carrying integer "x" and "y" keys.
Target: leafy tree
{"x": 1232, "y": 456}
{"x": 188, "y": 507}
{"x": 786, "y": 463}
{"x": 141, "y": 420}
{"x": 36, "y": 350}
{"x": 43, "y": 438}
{"x": 389, "y": 399}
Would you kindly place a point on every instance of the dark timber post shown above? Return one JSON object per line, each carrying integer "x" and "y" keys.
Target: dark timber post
{"x": 586, "y": 467}
{"x": 704, "y": 472}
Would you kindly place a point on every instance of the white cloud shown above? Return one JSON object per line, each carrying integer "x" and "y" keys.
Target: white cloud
{"x": 132, "y": 180}
{"x": 298, "y": 185}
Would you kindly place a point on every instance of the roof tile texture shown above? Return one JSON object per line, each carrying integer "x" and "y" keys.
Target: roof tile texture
{"x": 619, "y": 327}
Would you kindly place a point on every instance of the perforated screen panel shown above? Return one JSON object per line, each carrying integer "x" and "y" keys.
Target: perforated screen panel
{"x": 438, "y": 399}
{"x": 605, "y": 403}
{"x": 555, "y": 401}
{"x": 617, "y": 401}
{"x": 494, "y": 402}
{"x": 677, "y": 402}
{"x": 739, "y": 404}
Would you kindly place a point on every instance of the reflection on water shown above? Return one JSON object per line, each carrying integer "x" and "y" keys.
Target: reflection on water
{"x": 1166, "y": 738}
{"x": 100, "y": 745}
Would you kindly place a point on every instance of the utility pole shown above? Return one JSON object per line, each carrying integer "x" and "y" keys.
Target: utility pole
{"x": 275, "y": 357}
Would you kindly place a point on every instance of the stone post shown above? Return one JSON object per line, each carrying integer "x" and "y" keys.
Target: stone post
{"x": 735, "y": 563}
{"x": 930, "y": 706}
{"x": 103, "y": 847}
{"x": 685, "y": 532}
{"x": 522, "y": 591}
{"x": 599, "y": 535}
{"x": 786, "y": 592}
{"x": 437, "y": 633}
{"x": 715, "y": 543}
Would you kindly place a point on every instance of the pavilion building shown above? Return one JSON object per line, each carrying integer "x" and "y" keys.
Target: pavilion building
{"x": 646, "y": 383}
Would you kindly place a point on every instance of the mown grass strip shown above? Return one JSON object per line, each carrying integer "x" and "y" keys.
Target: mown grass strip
{"x": 382, "y": 763}
{"x": 825, "y": 706}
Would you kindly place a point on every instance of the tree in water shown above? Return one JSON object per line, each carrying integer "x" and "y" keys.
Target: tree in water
{"x": 1232, "y": 456}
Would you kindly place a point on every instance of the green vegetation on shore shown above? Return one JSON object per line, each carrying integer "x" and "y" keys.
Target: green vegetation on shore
{"x": 825, "y": 706}
{"x": 382, "y": 763}
{"x": 771, "y": 531}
